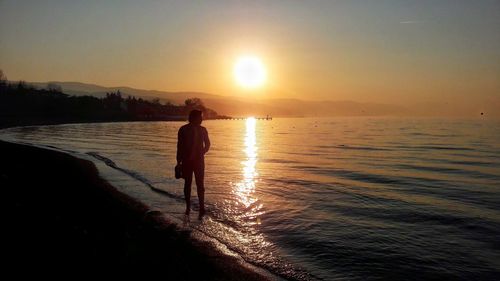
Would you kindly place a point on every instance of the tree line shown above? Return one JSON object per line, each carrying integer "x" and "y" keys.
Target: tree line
{"x": 23, "y": 104}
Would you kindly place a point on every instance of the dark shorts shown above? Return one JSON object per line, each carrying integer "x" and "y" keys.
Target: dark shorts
{"x": 197, "y": 167}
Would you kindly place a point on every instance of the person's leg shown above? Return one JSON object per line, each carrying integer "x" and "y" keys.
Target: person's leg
{"x": 199, "y": 174}
{"x": 187, "y": 173}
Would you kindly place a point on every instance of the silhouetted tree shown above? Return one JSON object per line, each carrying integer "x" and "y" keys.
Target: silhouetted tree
{"x": 53, "y": 87}
{"x": 21, "y": 85}
{"x": 3, "y": 79}
{"x": 194, "y": 103}
{"x": 113, "y": 101}
{"x": 22, "y": 104}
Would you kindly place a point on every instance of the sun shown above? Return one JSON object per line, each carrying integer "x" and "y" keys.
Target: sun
{"x": 249, "y": 72}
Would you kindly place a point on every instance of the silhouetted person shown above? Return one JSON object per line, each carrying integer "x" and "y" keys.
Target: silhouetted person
{"x": 192, "y": 144}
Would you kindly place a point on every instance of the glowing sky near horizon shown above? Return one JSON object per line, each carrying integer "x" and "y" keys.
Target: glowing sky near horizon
{"x": 384, "y": 51}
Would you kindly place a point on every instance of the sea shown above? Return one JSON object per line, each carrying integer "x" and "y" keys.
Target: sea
{"x": 357, "y": 198}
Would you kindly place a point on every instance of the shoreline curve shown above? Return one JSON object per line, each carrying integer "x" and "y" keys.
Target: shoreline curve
{"x": 104, "y": 227}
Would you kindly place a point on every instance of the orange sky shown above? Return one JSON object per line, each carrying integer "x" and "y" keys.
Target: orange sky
{"x": 336, "y": 50}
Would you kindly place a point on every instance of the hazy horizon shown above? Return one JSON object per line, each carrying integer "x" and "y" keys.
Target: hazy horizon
{"x": 241, "y": 106}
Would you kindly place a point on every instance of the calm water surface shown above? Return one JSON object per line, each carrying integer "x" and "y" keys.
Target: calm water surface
{"x": 328, "y": 199}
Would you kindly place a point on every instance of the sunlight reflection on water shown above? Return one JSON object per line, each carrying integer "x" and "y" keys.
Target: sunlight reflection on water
{"x": 245, "y": 189}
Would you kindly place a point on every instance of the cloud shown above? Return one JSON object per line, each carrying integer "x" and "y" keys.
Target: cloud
{"x": 412, "y": 22}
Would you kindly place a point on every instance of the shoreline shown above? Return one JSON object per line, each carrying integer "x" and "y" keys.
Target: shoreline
{"x": 10, "y": 124}
{"x": 61, "y": 212}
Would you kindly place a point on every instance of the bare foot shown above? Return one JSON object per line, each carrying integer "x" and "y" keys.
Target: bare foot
{"x": 186, "y": 220}
{"x": 201, "y": 214}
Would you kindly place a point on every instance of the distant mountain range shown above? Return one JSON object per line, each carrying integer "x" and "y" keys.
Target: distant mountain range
{"x": 81, "y": 89}
{"x": 237, "y": 106}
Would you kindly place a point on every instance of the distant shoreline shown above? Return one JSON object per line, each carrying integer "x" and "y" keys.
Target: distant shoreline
{"x": 22, "y": 104}
{"x": 10, "y": 124}
{"x": 23, "y": 123}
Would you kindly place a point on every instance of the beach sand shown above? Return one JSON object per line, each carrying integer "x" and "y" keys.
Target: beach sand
{"x": 59, "y": 214}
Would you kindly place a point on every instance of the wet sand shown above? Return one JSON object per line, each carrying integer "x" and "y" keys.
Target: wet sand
{"x": 59, "y": 214}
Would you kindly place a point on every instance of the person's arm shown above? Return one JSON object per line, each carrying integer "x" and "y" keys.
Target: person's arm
{"x": 206, "y": 140}
{"x": 180, "y": 147}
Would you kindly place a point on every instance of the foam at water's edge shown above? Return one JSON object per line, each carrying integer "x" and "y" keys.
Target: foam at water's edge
{"x": 143, "y": 180}
{"x": 284, "y": 269}
{"x": 156, "y": 217}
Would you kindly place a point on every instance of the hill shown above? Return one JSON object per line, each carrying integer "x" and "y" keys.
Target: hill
{"x": 237, "y": 106}
{"x": 282, "y": 107}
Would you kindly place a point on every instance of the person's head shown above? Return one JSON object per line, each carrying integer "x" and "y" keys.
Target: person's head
{"x": 195, "y": 117}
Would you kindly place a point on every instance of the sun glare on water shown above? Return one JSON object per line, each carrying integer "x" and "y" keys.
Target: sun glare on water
{"x": 249, "y": 72}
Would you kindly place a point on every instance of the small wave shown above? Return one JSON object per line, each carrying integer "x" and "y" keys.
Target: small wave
{"x": 133, "y": 174}
{"x": 437, "y": 147}
{"x": 402, "y": 215}
{"x": 351, "y": 147}
{"x": 354, "y": 175}
{"x": 446, "y": 170}
{"x": 278, "y": 161}
{"x": 471, "y": 163}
